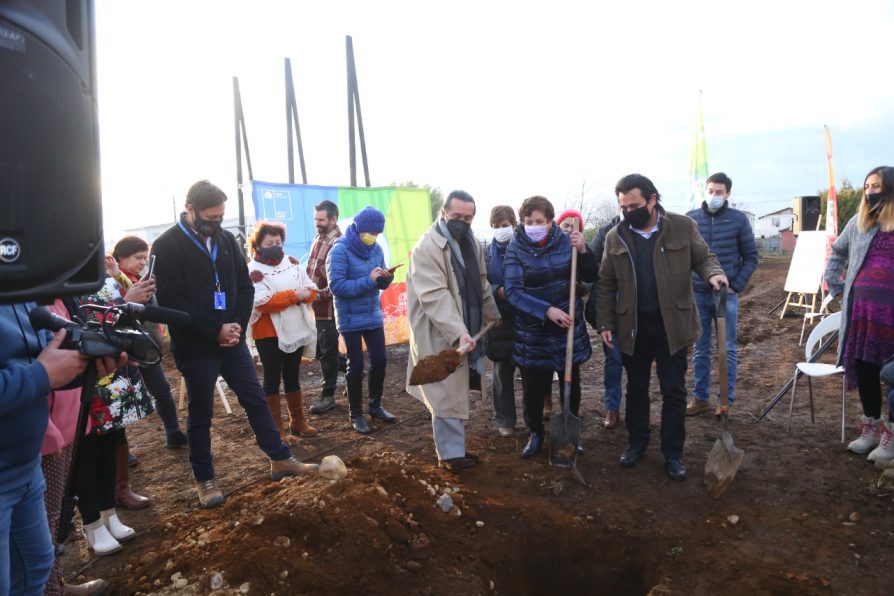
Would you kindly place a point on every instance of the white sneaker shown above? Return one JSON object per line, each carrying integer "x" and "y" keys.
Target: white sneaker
{"x": 870, "y": 435}
{"x": 99, "y": 540}
{"x": 885, "y": 449}
{"x": 119, "y": 531}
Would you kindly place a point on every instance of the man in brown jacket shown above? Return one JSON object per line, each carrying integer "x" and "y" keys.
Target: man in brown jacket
{"x": 645, "y": 299}
{"x": 448, "y": 300}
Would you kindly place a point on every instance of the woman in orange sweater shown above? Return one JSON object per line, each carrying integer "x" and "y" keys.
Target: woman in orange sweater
{"x": 282, "y": 324}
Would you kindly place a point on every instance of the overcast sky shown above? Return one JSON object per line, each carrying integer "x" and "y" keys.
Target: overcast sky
{"x": 502, "y": 99}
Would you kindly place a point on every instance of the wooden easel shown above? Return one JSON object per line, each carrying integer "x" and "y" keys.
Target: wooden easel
{"x": 800, "y": 303}
{"x": 220, "y": 392}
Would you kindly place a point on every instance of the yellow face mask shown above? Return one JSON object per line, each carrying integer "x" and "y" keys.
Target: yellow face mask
{"x": 367, "y": 239}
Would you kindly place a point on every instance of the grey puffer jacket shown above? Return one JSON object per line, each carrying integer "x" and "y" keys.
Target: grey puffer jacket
{"x": 848, "y": 252}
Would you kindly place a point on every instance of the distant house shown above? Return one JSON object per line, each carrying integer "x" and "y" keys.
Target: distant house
{"x": 771, "y": 224}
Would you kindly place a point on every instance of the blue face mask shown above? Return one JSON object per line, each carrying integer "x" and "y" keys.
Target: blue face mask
{"x": 715, "y": 202}
{"x": 537, "y": 233}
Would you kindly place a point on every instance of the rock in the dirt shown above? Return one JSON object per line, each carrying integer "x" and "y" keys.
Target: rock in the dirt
{"x": 244, "y": 588}
{"x": 381, "y": 490}
{"x": 333, "y": 468}
{"x": 216, "y": 581}
{"x": 479, "y": 523}
{"x": 414, "y": 566}
{"x": 181, "y": 583}
{"x": 444, "y": 503}
{"x": 169, "y": 565}
{"x": 176, "y": 576}
{"x": 854, "y": 516}
{"x": 282, "y": 541}
{"x": 733, "y": 519}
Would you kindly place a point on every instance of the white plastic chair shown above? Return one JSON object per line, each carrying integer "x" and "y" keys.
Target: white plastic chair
{"x": 822, "y": 312}
{"x": 818, "y": 369}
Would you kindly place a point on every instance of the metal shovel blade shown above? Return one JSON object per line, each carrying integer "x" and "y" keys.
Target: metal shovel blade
{"x": 723, "y": 462}
{"x": 564, "y": 437}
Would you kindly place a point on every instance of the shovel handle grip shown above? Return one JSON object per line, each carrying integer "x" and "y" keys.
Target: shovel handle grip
{"x": 467, "y": 346}
{"x": 720, "y": 301}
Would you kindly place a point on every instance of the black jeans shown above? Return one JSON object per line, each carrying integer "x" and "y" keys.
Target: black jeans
{"x": 375, "y": 347}
{"x": 238, "y": 370}
{"x": 537, "y": 384}
{"x": 327, "y": 350}
{"x": 157, "y": 383}
{"x": 278, "y": 364}
{"x": 651, "y": 345}
{"x": 96, "y": 474}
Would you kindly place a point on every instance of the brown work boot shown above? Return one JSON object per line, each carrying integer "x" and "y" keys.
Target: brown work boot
{"x": 91, "y": 588}
{"x": 297, "y": 423}
{"x": 209, "y": 494}
{"x": 697, "y": 406}
{"x": 124, "y": 495}
{"x": 280, "y": 468}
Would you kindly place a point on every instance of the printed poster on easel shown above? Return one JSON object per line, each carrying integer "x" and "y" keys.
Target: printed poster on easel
{"x": 805, "y": 274}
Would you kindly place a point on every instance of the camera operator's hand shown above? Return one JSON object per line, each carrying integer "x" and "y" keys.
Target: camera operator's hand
{"x": 62, "y": 366}
{"x": 141, "y": 292}
{"x": 229, "y": 335}
{"x": 107, "y": 365}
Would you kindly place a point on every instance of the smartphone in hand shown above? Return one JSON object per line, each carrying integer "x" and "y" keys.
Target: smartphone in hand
{"x": 391, "y": 270}
{"x": 151, "y": 270}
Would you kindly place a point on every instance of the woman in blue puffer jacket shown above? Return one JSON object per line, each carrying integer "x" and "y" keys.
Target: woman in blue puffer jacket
{"x": 537, "y": 282}
{"x": 356, "y": 271}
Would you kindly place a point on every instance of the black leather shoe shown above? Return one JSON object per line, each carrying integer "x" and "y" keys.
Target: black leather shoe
{"x": 455, "y": 464}
{"x": 380, "y": 413}
{"x": 359, "y": 424}
{"x": 631, "y": 457}
{"x": 675, "y": 468}
{"x": 473, "y": 456}
{"x": 535, "y": 442}
{"x": 176, "y": 440}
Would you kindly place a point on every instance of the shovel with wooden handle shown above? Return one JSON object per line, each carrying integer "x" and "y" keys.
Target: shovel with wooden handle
{"x": 725, "y": 458}
{"x": 565, "y": 428}
{"x": 436, "y": 368}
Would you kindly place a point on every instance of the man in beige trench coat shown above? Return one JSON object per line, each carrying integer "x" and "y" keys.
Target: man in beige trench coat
{"x": 448, "y": 299}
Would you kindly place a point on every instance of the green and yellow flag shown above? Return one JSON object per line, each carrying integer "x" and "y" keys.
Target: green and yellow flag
{"x": 698, "y": 161}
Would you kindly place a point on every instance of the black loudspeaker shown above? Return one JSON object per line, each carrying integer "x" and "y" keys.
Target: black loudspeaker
{"x": 50, "y": 209}
{"x": 806, "y": 214}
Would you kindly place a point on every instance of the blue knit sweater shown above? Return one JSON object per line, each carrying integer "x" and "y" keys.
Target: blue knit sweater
{"x": 24, "y": 387}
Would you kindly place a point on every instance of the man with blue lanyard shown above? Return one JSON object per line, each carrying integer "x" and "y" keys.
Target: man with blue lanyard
{"x": 200, "y": 269}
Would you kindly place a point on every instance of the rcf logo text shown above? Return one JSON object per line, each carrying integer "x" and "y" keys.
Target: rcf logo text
{"x": 9, "y": 250}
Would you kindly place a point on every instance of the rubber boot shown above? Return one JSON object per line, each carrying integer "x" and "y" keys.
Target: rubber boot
{"x": 119, "y": 531}
{"x": 124, "y": 495}
{"x": 354, "y": 387}
{"x": 297, "y": 424}
{"x": 273, "y": 402}
{"x": 376, "y": 388}
{"x": 98, "y": 538}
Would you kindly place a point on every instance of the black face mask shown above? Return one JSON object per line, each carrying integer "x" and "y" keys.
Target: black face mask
{"x": 207, "y": 227}
{"x": 458, "y": 228}
{"x": 875, "y": 199}
{"x": 638, "y": 217}
{"x": 271, "y": 253}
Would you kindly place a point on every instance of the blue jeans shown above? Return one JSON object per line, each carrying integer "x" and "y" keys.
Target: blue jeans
{"x": 375, "y": 347}
{"x": 611, "y": 376}
{"x": 701, "y": 354}
{"x": 26, "y": 551}
{"x": 238, "y": 370}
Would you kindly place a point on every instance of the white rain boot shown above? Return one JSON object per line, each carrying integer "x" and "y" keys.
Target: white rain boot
{"x": 99, "y": 540}
{"x": 118, "y": 530}
{"x": 870, "y": 435}
{"x": 885, "y": 449}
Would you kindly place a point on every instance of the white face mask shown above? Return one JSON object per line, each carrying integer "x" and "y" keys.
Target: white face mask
{"x": 715, "y": 202}
{"x": 503, "y": 234}
{"x": 536, "y": 233}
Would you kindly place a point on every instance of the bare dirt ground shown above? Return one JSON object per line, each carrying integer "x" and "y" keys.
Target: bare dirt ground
{"x": 803, "y": 516}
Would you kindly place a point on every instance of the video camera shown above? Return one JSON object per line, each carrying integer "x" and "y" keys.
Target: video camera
{"x": 117, "y": 329}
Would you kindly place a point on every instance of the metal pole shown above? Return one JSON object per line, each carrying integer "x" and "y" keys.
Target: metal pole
{"x": 289, "y": 98}
{"x": 359, "y": 119}
{"x": 352, "y": 150}
{"x": 237, "y": 101}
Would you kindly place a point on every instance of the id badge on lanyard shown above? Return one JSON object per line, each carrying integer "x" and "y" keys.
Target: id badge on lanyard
{"x": 220, "y": 300}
